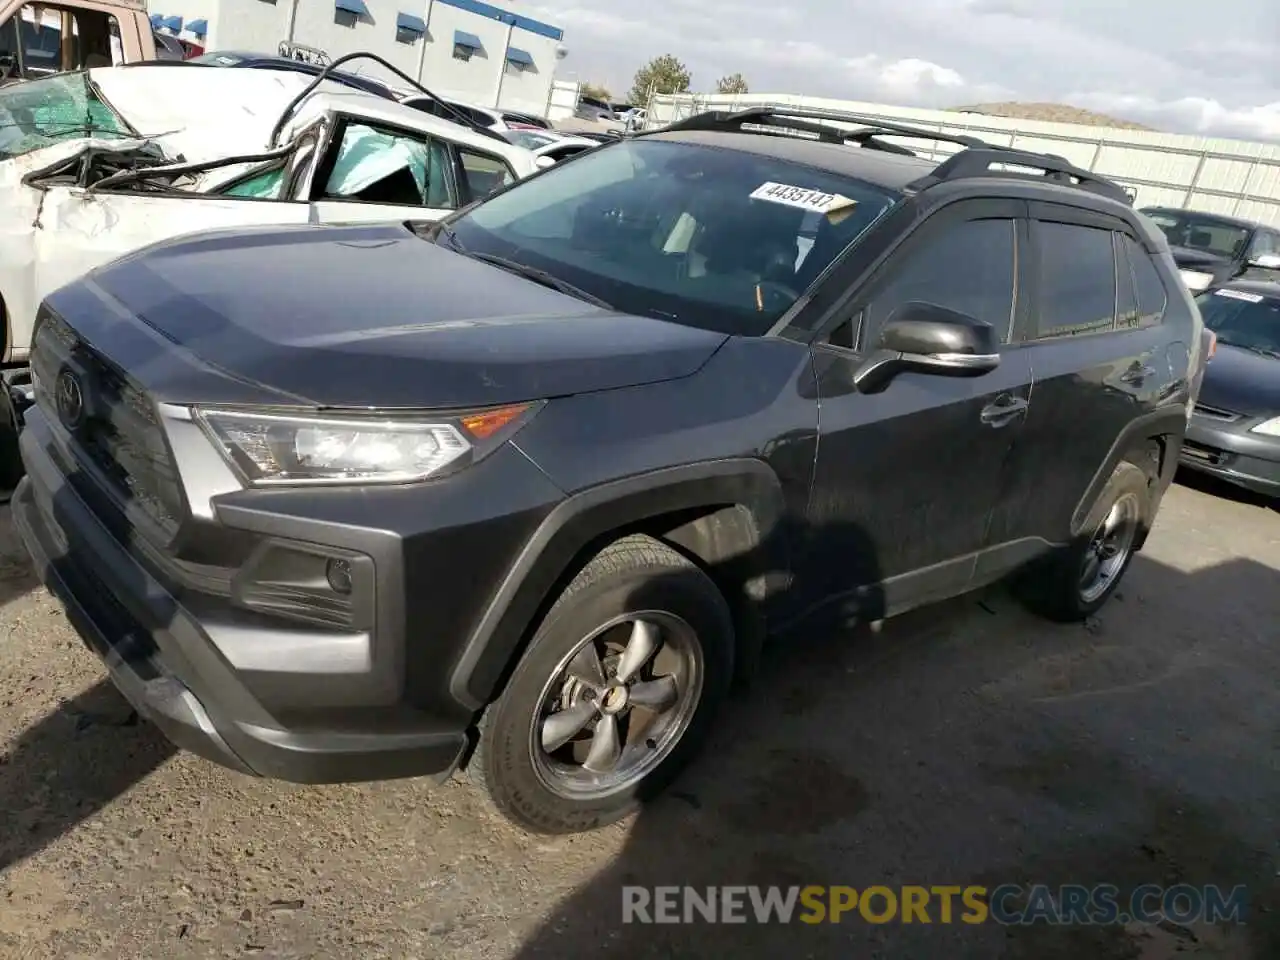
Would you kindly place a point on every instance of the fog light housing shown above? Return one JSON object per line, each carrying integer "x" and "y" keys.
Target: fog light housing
{"x": 338, "y": 573}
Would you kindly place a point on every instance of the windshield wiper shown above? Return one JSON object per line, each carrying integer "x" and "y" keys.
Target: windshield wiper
{"x": 1252, "y": 348}
{"x": 537, "y": 276}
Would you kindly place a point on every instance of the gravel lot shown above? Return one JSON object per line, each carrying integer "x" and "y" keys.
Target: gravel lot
{"x": 964, "y": 744}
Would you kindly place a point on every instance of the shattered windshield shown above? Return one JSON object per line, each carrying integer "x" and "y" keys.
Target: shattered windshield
{"x": 40, "y": 113}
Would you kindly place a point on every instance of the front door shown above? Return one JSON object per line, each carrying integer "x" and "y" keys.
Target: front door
{"x": 370, "y": 173}
{"x": 906, "y": 479}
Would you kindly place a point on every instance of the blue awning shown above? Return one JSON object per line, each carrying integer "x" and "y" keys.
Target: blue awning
{"x": 522, "y": 57}
{"x": 463, "y": 39}
{"x": 156, "y": 20}
{"x": 352, "y": 6}
{"x": 173, "y": 23}
{"x": 198, "y": 27}
{"x": 407, "y": 21}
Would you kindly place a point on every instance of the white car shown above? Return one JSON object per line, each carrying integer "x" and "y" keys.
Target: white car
{"x": 101, "y": 162}
{"x": 499, "y": 121}
{"x": 548, "y": 146}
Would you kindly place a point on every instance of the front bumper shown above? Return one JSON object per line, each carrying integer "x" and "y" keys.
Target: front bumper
{"x": 1228, "y": 451}
{"x": 167, "y": 652}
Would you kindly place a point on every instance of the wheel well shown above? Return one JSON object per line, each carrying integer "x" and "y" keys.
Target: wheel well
{"x": 722, "y": 539}
{"x": 1151, "y": 457}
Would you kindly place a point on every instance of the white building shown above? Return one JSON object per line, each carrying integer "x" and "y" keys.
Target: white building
{"x": 470, "y": 50}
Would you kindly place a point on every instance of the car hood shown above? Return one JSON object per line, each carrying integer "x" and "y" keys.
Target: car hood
{"x": 373, "y": 316}
{"x": 1242, "y": 382}
{"x": 1190, "y": 257}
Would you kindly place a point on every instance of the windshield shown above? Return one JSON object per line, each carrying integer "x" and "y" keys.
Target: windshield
{"x": 40, "y": 113}
{"x": 720, "y": 239}
{"x": 1242, "y": 319}
{"x": 1198, "y": 231}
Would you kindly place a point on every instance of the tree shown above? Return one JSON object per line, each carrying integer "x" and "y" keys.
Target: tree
{"x": 734, "y": 83}
{"x": 596, "y": 92}
{"x": 664, "y": 74}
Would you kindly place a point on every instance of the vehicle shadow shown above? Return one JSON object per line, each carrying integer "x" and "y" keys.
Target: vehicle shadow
{"x": 971, "y": 744}
{"x": 74, "y": 762}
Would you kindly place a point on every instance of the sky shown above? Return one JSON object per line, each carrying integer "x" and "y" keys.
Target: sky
{"x": 1178, "y": 65}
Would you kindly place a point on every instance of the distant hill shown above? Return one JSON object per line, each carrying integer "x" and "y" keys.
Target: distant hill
{"x": 1050, "y": 112}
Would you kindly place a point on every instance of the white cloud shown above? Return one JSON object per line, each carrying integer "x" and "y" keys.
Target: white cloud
{"x": 1145, "y": 60}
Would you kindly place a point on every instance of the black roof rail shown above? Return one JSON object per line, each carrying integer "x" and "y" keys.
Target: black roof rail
{"x": 977, "y": 162}
{"x": 795, "y": 118}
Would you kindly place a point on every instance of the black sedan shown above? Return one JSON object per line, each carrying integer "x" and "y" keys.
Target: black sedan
{"x": 1235, "y": 428}
{"x": 1210, "y": 248}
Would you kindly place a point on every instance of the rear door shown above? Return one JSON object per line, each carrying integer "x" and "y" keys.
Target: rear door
{"x": 906, "y": 479}
{"x": 1100, "y": 361}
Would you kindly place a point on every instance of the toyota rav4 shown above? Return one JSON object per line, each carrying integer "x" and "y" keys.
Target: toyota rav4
{"x": 525, "y": 489}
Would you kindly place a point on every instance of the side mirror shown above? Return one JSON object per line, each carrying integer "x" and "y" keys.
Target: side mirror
{"x": 1267, "y": 261}
{"x": 544, "y": 161}
{"x": 927, "y": 338}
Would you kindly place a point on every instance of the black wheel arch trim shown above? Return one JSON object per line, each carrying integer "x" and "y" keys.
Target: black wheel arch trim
{"x": 591, "y": 514}
{"x": 1165, "y": 422}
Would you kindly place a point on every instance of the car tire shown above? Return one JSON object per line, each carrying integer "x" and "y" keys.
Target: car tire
{"x": 639, "y": 620}
{"x": 1075, "y": 581}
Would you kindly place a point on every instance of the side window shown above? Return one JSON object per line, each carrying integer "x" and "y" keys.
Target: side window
{"x": 967, "y": 266}
{"x": 483, "y": 173}
{"x": 1152, "y": 296}
{"x": 379, "y": 166}
{"x": 1077, "y": 281}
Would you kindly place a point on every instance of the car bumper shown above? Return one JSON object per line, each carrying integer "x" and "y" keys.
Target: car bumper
{"x": 162, "y": 650}
{"x": 1249, "y": 461}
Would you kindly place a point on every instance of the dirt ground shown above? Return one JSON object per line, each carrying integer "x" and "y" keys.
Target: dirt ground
{"x": 963, "y": 744}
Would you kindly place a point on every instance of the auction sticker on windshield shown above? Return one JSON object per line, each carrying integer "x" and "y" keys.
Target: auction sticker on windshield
{"x": 1240, "y": 295}
{"x": 801, "y": 197}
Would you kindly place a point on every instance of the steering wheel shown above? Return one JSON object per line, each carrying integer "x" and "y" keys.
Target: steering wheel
{"x": 774, "y": 297}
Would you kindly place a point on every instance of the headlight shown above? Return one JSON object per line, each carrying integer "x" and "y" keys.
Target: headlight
{"x": 275, "y": 448}
{"x": 1195, "y": 280}
{"x": 1270, "y": 427}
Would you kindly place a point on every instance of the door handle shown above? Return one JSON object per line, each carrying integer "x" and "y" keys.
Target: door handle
{"x": 1004, "y": 410}
{"x": 1137, "y": 374}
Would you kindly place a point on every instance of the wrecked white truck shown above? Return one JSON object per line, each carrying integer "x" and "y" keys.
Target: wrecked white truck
{"x": 101, "y": 162}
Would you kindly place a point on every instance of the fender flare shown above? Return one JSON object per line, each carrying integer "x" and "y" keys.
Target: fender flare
{"x": 1168, "y": 421}
{"x": 591, "y": 514}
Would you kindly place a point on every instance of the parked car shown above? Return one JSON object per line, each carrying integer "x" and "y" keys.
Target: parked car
{"x": 103, "y": 32}
{"x": 589, "y": 108}
{"x": 270, "y": 61}
{"x": 99, "y": 163}
{"x": 329, "y": 501}
{"x": 1234, "y": 432}
{"x": 1210, "y": 248}
{"x": 549, "y": 147}
{"x": 499, "y": 121}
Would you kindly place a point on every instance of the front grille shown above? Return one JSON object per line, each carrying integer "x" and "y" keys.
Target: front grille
{"x": 118, "y": 437}
{"x": 1196, "y": 451}
{"x": 1216, "y": 413}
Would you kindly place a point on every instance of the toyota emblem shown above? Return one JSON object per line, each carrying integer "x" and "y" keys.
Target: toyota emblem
{"x": 69, "y": 398}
